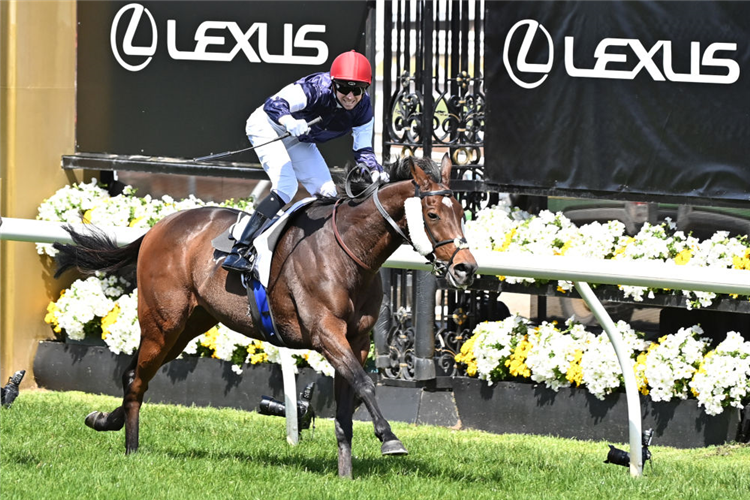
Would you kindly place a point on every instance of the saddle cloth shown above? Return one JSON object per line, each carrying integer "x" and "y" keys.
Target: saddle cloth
{"x": 264, "y": 243}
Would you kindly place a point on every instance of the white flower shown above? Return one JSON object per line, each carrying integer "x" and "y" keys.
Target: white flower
{"x": 493, "y": 343}
{"x": 553, "y": 351}
{"x": 601, "y": 369}
{"x": 124, "y": 335}
{"x": 723, "y": 378}
{"x": 671, "y": 365}
{"x": 86, "y": 302}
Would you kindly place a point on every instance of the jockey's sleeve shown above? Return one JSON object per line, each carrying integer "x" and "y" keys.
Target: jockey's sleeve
{"x": 367, "y": 156}
{"x": 362, "y": 145}
{"x": 288, "y": 100}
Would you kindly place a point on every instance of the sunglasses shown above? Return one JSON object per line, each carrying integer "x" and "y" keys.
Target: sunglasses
{"x": 345, "y": 90}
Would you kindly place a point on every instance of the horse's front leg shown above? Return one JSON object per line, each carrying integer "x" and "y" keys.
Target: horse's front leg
{"x": 338, "y": 352}
{"x": 344, "y": 410}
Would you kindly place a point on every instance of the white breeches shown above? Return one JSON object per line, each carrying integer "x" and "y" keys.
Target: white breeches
{"x": 288, "y": 161}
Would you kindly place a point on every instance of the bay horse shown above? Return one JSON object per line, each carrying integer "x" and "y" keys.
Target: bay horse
{"x": 324, "y": 287}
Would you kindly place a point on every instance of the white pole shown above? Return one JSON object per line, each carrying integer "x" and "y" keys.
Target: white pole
{"x": 290, "y": 396}
{"x": 635, "y": 424}
{"x": 40, "y": 231}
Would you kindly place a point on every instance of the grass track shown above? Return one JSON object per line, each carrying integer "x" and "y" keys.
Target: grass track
{"x": 206, "y": 453}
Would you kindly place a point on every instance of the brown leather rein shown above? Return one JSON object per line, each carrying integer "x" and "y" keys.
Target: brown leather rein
{"x": 437, "y": 266}
{"x": 341, "y": 241}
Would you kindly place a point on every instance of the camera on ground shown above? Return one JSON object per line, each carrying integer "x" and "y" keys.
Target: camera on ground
{"x": 9, "y": 393}
{"x": 305, "y": 411}
{"x": 620, "y": 457}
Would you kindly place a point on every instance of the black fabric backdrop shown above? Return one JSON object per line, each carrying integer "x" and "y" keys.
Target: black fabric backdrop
{"x": 617, "y": 138}
{"x": 185, "y": 108}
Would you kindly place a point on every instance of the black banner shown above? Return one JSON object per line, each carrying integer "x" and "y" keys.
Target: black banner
{"x": 628, "y": 100}
{"x": 179, "y": 79}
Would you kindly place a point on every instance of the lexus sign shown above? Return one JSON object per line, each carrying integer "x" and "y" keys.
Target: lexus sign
{"x": 633, "y": 100}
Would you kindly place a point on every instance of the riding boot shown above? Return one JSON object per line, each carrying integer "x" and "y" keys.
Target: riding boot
{"x": 241, "y": 257}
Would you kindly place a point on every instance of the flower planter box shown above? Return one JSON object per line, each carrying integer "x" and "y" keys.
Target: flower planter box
{"x": 201, "y": 381}
{"x": 526, "y": 408}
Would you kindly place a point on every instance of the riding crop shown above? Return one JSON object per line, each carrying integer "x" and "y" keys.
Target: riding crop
{"x": 229, "y": 153}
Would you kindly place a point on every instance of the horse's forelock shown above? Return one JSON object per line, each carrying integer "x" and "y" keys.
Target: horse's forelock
{"x": 399, "y": 170}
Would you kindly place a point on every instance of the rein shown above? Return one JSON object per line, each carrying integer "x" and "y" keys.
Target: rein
{"x": 437, "y": 266}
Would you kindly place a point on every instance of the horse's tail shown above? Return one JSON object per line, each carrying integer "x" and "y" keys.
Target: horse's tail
{"x": 95, "y": 251}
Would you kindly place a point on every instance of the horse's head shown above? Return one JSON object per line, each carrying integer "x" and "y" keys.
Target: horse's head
{"x": 435, "y": 221}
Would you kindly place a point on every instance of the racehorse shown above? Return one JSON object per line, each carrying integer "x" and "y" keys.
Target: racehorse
{"x": 324, "y": 288}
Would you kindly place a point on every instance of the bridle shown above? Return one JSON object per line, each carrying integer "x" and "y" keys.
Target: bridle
{"x": 438, "y": 267}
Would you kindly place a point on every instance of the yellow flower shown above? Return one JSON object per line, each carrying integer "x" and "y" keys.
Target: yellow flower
{"x": 87, "y": 216}
{"x": 640, "y": 372}
{"x": 629, "y": 241}
{"x": 575, "y": 372}
{"x": 51, "y": 317}
{"x": 467, "y": 357}
{"x": 517, "y": 361}
{"x": 135, "y": 221}
{"x": 209, "y": 340}
{"x": 683, "y": 257}
{"x": 109, "y": 320}
{"x": 258, "y": 358}
{"x": 564, "y": 248}
{"x": 739, "y": 262}
{"x": 561, "y": 289}
{"x": 507, "y": 241}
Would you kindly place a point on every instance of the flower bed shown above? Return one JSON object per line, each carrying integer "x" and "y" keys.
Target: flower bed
{"x": 505, "y": 229}
{"x": 188, "y": 381}
{"x": 679, "y": 366}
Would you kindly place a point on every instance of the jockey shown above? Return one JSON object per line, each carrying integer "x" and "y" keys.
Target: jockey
{"x": 339, "y": 97}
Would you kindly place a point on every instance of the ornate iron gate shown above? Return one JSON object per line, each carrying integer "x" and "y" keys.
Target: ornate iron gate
{"x": 432, "y": 81}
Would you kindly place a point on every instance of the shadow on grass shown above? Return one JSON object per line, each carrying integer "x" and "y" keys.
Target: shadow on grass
{"x": 363, "y": 467}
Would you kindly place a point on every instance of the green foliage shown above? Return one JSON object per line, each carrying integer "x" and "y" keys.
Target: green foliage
{"x": 198, "y": 453}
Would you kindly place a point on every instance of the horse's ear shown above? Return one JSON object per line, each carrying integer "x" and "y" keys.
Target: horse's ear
{"x": 445, "y": 169}
{"x": 419, "y": 175}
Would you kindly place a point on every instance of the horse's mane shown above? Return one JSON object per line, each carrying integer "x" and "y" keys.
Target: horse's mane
{"x": 398, "y": 170}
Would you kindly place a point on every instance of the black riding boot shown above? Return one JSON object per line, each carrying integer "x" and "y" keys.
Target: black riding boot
{"x": 240, "y": 258}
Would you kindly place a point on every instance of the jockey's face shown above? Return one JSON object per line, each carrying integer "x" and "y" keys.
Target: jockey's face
{"x": 348, "y": 96}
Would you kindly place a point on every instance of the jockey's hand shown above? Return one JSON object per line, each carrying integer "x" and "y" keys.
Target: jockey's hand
{"x": 379, "y": 176}
{"x": 294, "y": 126}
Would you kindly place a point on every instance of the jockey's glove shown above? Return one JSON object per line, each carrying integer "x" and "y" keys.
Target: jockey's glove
{"x": 375, "y": 171}
{"x": 379, "y": 176}
{"x": 294, "y": 126}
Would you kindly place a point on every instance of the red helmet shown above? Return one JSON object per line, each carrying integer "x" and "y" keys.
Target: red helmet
{"x": 352, "y": 67}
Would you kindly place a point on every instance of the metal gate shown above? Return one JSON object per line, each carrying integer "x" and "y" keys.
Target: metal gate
{"x": 434, "y": 91}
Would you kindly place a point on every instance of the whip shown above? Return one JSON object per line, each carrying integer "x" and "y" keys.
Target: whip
{"x": 229, "y": 153}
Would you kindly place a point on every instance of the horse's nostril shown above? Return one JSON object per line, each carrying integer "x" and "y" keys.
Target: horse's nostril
{"x": 465, "y": 268}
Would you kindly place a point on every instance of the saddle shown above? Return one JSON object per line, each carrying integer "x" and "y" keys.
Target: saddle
{"x": 256, "y": 281}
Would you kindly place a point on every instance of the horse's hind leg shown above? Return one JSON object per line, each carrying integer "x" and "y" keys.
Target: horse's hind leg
{"x": 114, "y": 420}
{"x": 159, "y": 345}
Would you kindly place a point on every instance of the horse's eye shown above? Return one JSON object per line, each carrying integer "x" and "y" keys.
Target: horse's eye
{"x": 433, "y": 216}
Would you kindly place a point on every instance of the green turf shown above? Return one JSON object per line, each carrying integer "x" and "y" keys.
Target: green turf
{"x": 47, "y": 453}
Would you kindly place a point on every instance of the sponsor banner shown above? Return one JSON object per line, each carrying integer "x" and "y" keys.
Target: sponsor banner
{"x": 179, "y": 78}
{"x": 630, "y": 100}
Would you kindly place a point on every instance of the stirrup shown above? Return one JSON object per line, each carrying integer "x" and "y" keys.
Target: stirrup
{"x": 240, "y": 261}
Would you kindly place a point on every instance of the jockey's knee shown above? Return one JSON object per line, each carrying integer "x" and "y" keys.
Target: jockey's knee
{"x": 286, "y": 192}
{"x": 328, "y": 189}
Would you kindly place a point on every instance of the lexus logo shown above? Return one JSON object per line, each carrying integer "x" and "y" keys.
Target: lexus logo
{"x": 521, "y": 64}
{"x": 252, "y": 41}
{"x": 127, "y": 41}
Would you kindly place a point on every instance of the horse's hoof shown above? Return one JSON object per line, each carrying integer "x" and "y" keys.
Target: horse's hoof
{"x": 393, "y": 447}
{"x": 91, "y": 419}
